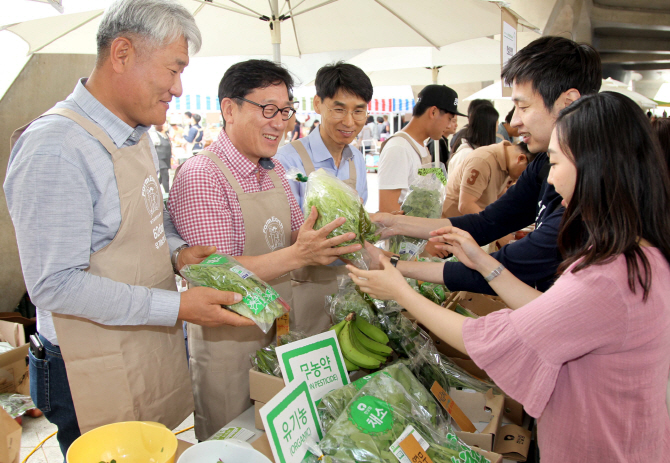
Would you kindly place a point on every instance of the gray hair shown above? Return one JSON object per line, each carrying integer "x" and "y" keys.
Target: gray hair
{"x": 160, "y": 22}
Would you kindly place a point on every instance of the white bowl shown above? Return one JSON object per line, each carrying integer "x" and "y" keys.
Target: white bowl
{"x": 228, "y": 450}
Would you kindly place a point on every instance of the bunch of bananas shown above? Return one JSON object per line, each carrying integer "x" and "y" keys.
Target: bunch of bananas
{"x": 363, "y": 345}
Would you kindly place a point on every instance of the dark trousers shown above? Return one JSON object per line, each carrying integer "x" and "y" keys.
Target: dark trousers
{"x": 50, "y": 391}
{"x": 165, "y": 179}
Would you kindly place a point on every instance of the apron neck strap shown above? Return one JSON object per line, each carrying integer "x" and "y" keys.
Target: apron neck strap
{"x": 88, "y": 125}
{"x": 231, "y": 178}
{"x": 411, "y": 142}
{"x": 304, "y": 156}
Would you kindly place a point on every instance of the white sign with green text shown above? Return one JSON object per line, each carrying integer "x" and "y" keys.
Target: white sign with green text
{"x": 317, "y": 360}
{"x": 290, "y": 420}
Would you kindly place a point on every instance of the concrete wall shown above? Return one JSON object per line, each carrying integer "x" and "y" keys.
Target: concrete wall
{"x": 45, "y": 80}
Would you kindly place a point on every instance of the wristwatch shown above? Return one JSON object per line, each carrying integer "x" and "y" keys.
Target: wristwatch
{"x": 394, "y": 260}
{"x": 495, "y": 273}
{"x": 175, "y": 257}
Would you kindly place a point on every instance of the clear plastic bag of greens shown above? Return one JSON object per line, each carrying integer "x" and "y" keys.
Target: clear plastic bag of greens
{"x": 16, "y": 404}
{"x": 333, "y": 404}
{"x": 425, "y": 199}
{"x": 265, "y": 359}
{"x": 404, "y": 335}
{"x": 333, "y": 199}
{"x": 372, "y": 422}
{"x": 260, "y": 302}
{"x": 347, "y": 300}
{"x": 429, "y": 366}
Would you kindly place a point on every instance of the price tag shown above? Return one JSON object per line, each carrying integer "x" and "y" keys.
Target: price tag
{"x": 317, "y": 360}
{"x": 290, "y": 419}
{"x": 398, "y": 451}
{"x": 414, "y": 451}
{"x": 454, "y": 410}
{"x": 282, "y": 327}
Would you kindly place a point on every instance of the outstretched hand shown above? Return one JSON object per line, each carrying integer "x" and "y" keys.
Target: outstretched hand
{"x": 461, "y": 244}
{"x": 385, "y": 284}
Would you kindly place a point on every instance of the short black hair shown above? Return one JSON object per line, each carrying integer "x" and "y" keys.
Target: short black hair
{"x": 554, "y": 65}
{"x": 509, "y": 116}
{"x": 524, "y": 150}
{"x": 380, "y": 119}
{"x": 243, "y": 78}
{"x": 188, "y": 114}
{"x": 342, "y": 76}
{"x": 197, "y": 118}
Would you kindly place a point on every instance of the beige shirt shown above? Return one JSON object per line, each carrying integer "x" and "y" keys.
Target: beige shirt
{"x": 483, "y": 174}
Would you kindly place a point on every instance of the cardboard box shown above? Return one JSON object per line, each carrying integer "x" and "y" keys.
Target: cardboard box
{"x": 10, "y": 438}
{"x": 511, "y": 441}
{"x": 14, "y": 371}
{"x": 264, "y": 387}
{"x": 14, "y": 327}
{"x": 479, "y": 304}
{"x": 257, "y": 415}
{"x": 262, "y": 445}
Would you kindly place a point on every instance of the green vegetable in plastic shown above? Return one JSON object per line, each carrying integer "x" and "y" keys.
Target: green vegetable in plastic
{"x": 419, "y": 202}
{"x": 389, "y": 409}
{"x": 333, "y": 199}
{"x": 265, "y": 359}
{"x": 347, "y": 300}
{"x": 260, "y": 302}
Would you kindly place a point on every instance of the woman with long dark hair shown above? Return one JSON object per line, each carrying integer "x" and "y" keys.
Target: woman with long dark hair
{"x": 590, "y": 357}
{"x": 481, "y": 131}
{"x": 662, "y": 129}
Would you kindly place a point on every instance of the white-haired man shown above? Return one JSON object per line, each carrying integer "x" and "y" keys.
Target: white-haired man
{"x": 96, "y": 245}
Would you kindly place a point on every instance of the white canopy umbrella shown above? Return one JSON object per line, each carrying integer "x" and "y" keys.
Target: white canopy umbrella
{"x": 494, "y": 92}
{"x": 465, "y": 61}
{"x": 233, "y": 27}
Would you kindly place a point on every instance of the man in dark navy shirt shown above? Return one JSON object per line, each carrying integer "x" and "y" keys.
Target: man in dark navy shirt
{"x": 546, "y": 76}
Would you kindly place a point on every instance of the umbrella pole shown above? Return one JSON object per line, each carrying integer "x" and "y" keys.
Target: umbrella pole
{"x": 275, "y": 31}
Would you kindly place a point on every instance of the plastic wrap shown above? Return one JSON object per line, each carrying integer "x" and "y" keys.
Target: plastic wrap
{"x": 429, "y": 366}
{"x": 404, "y": 336}
{"x": 16, "y": 404}
{"x": 333, "y": 199}
{"x": 260, "y": 302}
{"x": 378, "y": 415}
{"x": 265, "y": 360}
{"x": 347, "y": 300}
{"x": 425, "y": 199}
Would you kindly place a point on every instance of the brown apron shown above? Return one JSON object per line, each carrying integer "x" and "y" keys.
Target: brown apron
{"x": 220, "y": 356}
{"x": 313, "y": 283}
{"x": 127, "y": 373}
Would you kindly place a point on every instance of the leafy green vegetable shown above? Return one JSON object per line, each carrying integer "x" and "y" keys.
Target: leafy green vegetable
{"x": 260, "y": 302}
{"x": 348, "y": 299}
{"x": 16, "y": 404}
{"x": 265, "y": 359}
{"x": 376, "y": 417}
{"x": 333, "y": 199}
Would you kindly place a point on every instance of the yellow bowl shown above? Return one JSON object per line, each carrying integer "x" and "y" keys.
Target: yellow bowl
{"x": 127, "y": 442}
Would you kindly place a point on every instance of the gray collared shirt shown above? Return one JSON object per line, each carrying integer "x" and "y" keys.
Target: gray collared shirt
{"x": 63, "y": 199}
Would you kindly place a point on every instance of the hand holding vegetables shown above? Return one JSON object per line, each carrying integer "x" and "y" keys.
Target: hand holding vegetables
{"x": 465, "y": 248}
{"x": 384, "y": 284}
{"x": 313, "y": 247}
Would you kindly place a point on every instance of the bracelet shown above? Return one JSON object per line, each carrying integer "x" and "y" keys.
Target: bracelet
{"x": 175, "y": 257}
{"x": 495, "y": 273}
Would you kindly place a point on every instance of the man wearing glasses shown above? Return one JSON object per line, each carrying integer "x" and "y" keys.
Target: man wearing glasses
{"x": 234, "y": 197}
{"x": 342, "y": 95}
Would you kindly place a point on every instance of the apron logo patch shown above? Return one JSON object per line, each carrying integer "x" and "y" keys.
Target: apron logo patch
{"x": 152, "y": 198}
{"x": 274, "y": 233}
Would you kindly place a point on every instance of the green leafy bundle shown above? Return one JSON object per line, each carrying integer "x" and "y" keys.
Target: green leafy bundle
{"x": 334, "y": 199}
{"x": 424, "y": 199}
{"x": 265, "y": 360}
{"x": 334, "y": 403}
{"x": 347, "y": 300}
{"x": 390, "y": 409}
{"x": 260, "y": 302}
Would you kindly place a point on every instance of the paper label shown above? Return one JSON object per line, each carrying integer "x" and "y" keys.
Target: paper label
{"x": 371, "y": 415}
{"x": 289, "y": 419}
{"x": 408, "y": 248}
{"x": 241, "y": 271}
{"x": 450, "y": 406}
{"x": 317, "y": 360}
{"x": 282, "y": 327}
{"x": 398, "y": 451}
{"x": 233, "y": 432}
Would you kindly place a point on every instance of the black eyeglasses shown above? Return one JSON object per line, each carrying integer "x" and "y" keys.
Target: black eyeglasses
{"x": 271, "y": 110}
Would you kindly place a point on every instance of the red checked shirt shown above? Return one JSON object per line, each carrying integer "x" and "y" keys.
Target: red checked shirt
{"x": 204, "y": 207}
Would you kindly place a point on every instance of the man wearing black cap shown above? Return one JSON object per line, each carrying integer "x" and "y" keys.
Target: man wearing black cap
{"x": 404, "y": 152}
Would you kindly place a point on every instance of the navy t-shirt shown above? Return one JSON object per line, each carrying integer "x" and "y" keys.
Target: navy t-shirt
{"x": 532, "y": 259}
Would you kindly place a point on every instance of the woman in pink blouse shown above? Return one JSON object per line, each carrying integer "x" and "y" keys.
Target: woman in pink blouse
{"x": 590, "y": 357}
